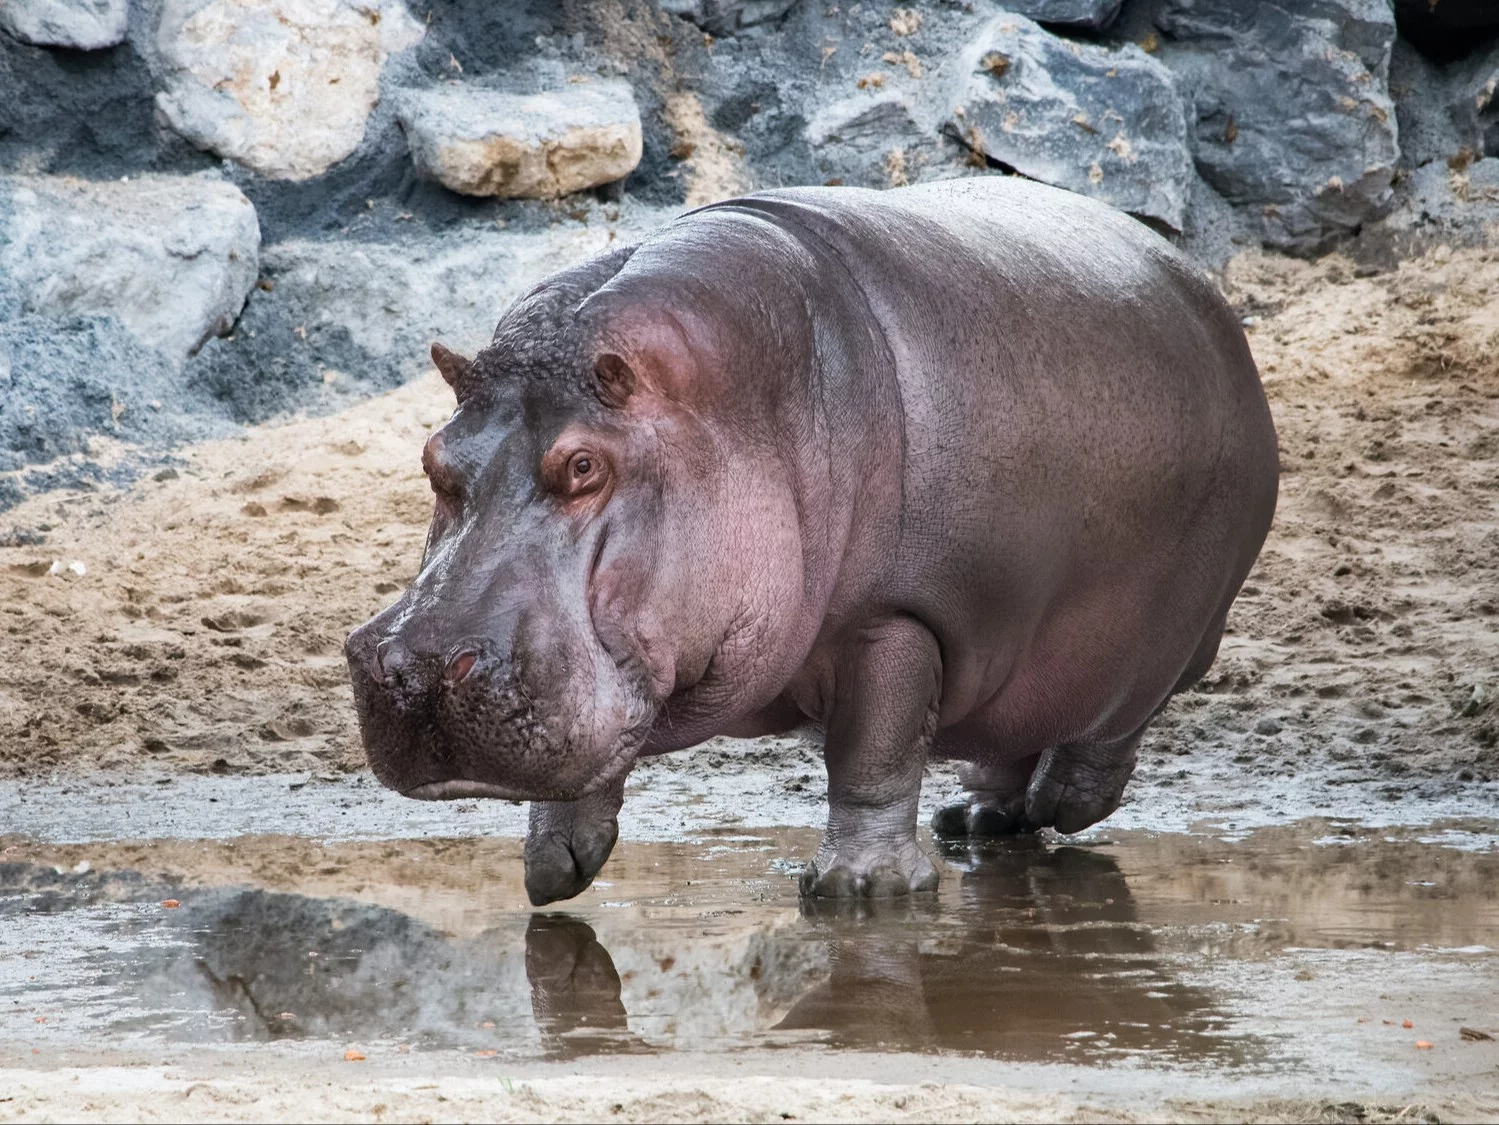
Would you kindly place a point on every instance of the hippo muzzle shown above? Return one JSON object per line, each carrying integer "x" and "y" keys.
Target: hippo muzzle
{"x": 469, "y": 722}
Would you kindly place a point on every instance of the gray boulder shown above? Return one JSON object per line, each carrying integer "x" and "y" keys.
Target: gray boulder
{"x": 1105, "y": 122}
{"x": 346, "y": 318}
{"x": 1474, "y": 102}
{"x": 1093, "y": 14}
{"x": 873, "y": 116}
{"x": 724, "y": 17}
{"x": 537, "y": 146}
{"x": 1294, "y": 121}
{"x": 864, "y": 138}
{"x": 84, "y": 25}
{"x": 170, "y": 258}
{"x": 1451, "y": 203}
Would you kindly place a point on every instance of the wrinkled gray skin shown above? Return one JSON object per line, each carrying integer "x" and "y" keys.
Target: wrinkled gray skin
{"x": 970, "y": 470}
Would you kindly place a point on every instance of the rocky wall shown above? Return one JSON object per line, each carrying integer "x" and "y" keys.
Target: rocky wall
{"x": 218, "y": 211}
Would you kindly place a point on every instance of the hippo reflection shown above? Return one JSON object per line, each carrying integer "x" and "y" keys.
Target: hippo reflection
{"x": 1050, "y": 964}
{"x": 1042, "y": 947}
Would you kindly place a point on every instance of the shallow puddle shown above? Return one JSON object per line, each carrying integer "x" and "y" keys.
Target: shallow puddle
{"x": 1300, "y": 949}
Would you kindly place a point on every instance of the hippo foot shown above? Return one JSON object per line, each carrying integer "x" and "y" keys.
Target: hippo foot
{"x": 882, "y": 873}
{"x": 567, "y": 844}
{"x": 1076, "y": 786}
{"x": 559, "y": 867}
{"x": 982, "y": 817}
{"x": 994, "y": 804}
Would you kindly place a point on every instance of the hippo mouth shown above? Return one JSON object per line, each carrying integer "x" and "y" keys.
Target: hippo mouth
{"x": 457, "y": 789}
{"x": 619, "y": 761}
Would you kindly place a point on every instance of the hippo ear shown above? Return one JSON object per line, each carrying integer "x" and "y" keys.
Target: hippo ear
{"x": 452, "y": 365}
{"x": 616, "y": 379}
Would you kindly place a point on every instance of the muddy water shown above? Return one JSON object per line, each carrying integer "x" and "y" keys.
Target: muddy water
{"x": 1298, "y": 950}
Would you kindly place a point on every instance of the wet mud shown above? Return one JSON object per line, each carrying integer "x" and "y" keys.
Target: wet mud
{"x": 1293, "y": 955}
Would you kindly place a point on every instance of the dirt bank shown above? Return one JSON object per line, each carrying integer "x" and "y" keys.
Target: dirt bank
{"x": 194, "y": 623}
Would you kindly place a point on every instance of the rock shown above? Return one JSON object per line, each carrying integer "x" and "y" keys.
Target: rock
{"x": 1451, "y": 204}
{"x": 282, "y": 86}
{"x": 863, "y": 138}
{"x": 1268, "y": 726}
{"x": 1109, "y": 123}
{"x": 1095, "y": 14}
{"x": 170, "y": 258}
{"x": 536, "y": 146}
{"x": 1293, "y": 118}
{"x": 83, "y": 25}
{"x": 342, "y": 320}
{"x": 1446, "y": 30}
{"x": 875, "y": 116}
{"x": 1426, "y": 129}
{"x": 1474, "y": 102}
{"x": 724, "y": 17}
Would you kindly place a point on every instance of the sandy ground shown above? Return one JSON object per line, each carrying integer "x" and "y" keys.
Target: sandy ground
{"x": 204, "y": 630}
{"x": 95, "y": 1095}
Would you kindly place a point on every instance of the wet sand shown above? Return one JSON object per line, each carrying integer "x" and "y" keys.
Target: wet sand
{"x": 1131, "y": 975}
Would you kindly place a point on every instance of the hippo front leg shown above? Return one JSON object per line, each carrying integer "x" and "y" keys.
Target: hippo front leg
{"x": 568, "y": 841}
{"x": 879, "y": 728}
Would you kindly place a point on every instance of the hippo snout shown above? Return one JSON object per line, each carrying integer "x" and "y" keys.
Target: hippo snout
{"x": 477, "y": 717}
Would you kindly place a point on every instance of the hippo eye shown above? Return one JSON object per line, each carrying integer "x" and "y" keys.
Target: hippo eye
{"x": 585, "y": 473}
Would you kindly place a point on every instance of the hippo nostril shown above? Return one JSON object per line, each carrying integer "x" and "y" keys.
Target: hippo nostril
{"x": 391, "y": 659}
{"x": 460, "y": 666}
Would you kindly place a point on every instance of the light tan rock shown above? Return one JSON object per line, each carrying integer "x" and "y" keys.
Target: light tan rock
{"x": 537, "y": 146}
{"x": 285, "y": 87}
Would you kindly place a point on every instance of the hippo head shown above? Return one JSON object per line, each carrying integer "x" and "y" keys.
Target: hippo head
{"x": 576, "y": 572}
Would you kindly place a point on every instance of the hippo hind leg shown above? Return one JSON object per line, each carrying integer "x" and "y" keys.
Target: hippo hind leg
{"x": 1077, "y": 785}
{"x": 1066, "y": 787}
{"x": 993, "y": 804}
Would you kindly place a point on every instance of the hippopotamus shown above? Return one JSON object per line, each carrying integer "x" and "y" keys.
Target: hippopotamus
{"x": 965, "y": 470}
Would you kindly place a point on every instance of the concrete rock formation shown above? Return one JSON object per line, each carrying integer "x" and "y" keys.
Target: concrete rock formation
{"x": 284, "y": 87}
{"x": 865, "y": 135}
{"x": 1092, "y": 14}
{"x": 341, "y": 319}
{"x": 537, "y": 146}
{"x": 1293, "y": 120}
{"x": 171, "y": 259}
{"x": 1474, "y": 105}
{"x": 405, "y": 161}
{"x": 724, "y": 17}
{"x": 1103, "y": 122}
{"x": 82, "y": 25}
